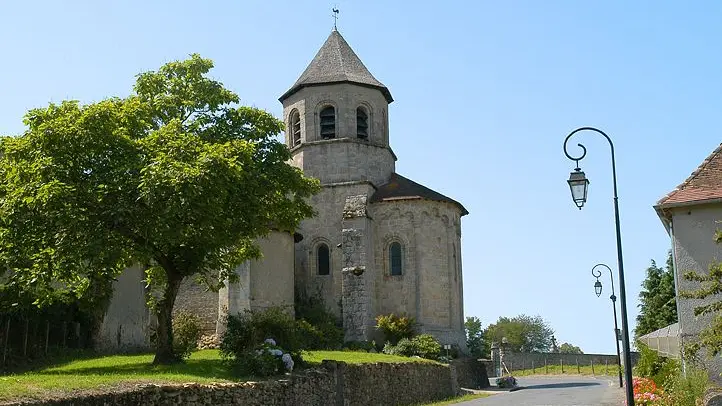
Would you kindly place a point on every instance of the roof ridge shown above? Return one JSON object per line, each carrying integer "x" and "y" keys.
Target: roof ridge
{"x": 700, "y": 168}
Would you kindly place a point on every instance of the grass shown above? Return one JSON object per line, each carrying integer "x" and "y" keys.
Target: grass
{"x": 556, "y": 369}
{"x": 459, "y": 399}
{"x": 203, "y": 366}
{"x": 353, "y": 357}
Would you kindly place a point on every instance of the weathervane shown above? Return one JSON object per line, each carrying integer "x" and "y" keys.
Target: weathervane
{"x": 335, "y": 17}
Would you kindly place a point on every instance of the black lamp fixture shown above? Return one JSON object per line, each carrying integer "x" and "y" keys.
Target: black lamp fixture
{"x": 579, "y": 185}
{"x": 598, "y": 288}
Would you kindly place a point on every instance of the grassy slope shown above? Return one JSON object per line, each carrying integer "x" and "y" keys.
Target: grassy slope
{"x": 203, "y": 366}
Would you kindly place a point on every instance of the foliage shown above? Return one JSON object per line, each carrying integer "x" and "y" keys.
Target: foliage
{"x": 355, "y": 357}
{"x": 426, "y": 346}
{"x": 506, "y": 381}
{"x": 186, "y": 333}
{"x": 359, "y": 346}
{"x": 653, "y": 366}
{"x": 567, "y": 348}
{"x": 175, "y": 176}
{"x": 478, "y": 347}
{"x": 246, "y": 334}
{"x": 524, "y": 333}
{"x": 678, "y": 389}
{"x": 396, "y": 327}
{"x": 423, "y": 345}
{"x": 646, "y": 392}
{"x": 318, "y": 328}
{"x": 686, "y": 389}
{"x": 265, "y": 359}
{"x": 658, "y": 306}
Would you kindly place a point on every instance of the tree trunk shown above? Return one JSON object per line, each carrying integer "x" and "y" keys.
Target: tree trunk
{"x": 164, "y": 312}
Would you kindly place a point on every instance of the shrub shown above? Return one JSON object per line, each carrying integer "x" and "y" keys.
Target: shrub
{"x": 426, "y": 346}
{"x": 684, "y": 390}
{"x": 266, "y": 359}
{"x": 359, "y": 346}
{"x": 319, "y": 329}
{"x": 248, "y": 330}
{"x": 506, "y": 382}
{"x": 395, "y": 328}
{"x": 186, "y": 333}
{"x": 651, "y": 365}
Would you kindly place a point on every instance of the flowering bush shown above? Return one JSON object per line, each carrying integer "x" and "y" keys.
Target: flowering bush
{"x": 646, "y": 392}
{"x": 506, "y": 382}
{"x": 266, "y": 359}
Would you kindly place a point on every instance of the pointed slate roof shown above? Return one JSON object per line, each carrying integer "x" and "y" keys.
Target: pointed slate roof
{"x": 336, "y": 62}
{"x": 702, "y": 185}
{"x": 401, "y": 188}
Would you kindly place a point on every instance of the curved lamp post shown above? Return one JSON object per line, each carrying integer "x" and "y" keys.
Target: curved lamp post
{"x": 613, "y": 298}
{"x": 578, "y": 183}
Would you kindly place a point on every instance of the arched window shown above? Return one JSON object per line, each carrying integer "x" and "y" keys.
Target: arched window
{"x": 362, "y": 123}
{"x": 395, "y": 259}
{"x": 323, "y": 260}
{"x": 295, "y": 128}
{"x": 328, "y": 122}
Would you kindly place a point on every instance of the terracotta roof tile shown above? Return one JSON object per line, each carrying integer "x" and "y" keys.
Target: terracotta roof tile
{"x": 401, "y": 188}
{"x": 705, "y": 183}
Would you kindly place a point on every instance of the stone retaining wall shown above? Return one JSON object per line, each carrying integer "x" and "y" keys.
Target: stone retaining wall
{"x": 334, "y": 383}
{"x": 520, "y": 361}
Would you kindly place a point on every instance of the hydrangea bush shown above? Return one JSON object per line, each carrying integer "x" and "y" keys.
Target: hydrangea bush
{"x": 506, "y": 382}
{"x": 266, "y": 359}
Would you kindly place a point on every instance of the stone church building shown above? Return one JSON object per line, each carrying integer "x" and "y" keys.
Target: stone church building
{"x": 380, "y": 242}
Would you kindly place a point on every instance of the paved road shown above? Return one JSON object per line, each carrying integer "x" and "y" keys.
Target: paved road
{"x": 558, "y": 391}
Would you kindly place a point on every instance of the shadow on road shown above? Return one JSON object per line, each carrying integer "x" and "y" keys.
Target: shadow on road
{"x": 561, "y": 385}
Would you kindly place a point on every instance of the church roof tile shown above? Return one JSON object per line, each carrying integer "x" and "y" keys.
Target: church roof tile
{"x": 336, "y": 62}
{"x": 401, "y": 188}
{"x": 704, "y": 184}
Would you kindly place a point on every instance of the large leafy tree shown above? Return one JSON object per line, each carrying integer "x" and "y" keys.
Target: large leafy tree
{"x": 658, "y": 306}
{"x": 524, "y": 333}
{"x": 567, "y": 348}
{"x": 478, "y": 347}
{"x": 177, "y": 177}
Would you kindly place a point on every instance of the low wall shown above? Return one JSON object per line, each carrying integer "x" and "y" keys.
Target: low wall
{"x": 334, "y": 383}
{"x": 520, "y": 361}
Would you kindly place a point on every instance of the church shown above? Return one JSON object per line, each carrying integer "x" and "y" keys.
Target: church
{"x": 380, "y": 242}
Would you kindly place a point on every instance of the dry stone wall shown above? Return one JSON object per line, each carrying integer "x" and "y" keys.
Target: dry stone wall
{"x": 334, "y": 383}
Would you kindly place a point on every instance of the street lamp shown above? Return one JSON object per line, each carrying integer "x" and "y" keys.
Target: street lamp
{"x": 579, "y": 183}
{"x": 613, "y": 298}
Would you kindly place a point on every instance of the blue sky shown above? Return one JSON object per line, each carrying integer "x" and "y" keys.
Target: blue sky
{"x": 485, "y": 93}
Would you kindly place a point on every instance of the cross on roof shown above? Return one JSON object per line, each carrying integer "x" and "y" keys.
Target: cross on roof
{"x": 335, "y": 16}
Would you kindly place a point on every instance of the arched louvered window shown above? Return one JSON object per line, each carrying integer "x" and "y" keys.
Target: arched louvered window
{"x": 395, "y": 258}
{"x": 328, "y": 122}
{"x": 323, "y": 260}
{"x": 362, "y": 123}
{"x": 295, "y": 128}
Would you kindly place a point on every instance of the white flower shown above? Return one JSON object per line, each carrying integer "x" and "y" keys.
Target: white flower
{"x": 270, "y": 341}
{"x": 287, "y": 361}
{"x": 276, "y": 352}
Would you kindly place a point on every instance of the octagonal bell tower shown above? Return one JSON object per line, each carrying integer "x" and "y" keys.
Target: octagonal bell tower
{"x": 336, "y": 118}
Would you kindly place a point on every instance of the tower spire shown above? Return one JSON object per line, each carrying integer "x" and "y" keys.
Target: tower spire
{"x": 335, "y": 17}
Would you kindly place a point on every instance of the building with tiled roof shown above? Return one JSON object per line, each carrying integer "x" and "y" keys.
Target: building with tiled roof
{"x": 692, "y": 214}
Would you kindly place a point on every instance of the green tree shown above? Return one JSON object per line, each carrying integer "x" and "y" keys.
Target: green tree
{"x": 710, "y": 287}
{"x": 658, "y": 306}
{"x": 478, "y": 347}
{"x": 524, "y": 333}
{"x": 176, "y": 177}
{"x": 567, "y": 348}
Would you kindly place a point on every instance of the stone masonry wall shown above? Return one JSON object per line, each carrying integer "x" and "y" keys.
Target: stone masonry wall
{"x": 431, "y": 287}
{"x": 520, "y": 361}
{"x": 334, "y": 383}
